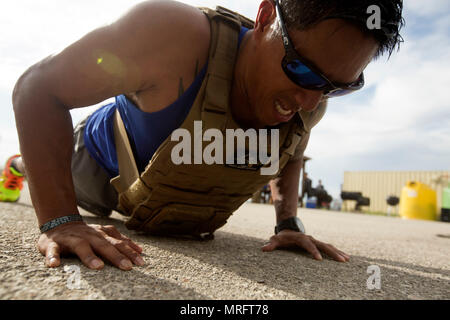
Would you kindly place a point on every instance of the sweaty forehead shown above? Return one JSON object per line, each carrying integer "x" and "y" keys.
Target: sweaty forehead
{"x": 338, "y": 48}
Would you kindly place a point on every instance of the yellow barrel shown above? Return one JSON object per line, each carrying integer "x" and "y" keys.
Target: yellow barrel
{"x": 418, "y": 201}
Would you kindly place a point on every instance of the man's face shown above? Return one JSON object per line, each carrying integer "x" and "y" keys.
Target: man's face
{"x": 336, "y": 47}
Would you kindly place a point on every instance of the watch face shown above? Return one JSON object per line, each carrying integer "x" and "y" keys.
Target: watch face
{"x": 300, "y": 225}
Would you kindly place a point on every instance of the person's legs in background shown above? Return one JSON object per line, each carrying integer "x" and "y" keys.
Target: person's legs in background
{"x": 11, "y": 180}
{"x": 91, "y": 182}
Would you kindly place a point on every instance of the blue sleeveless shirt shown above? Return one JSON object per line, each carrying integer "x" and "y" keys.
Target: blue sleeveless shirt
{"x": 146, "y": 131}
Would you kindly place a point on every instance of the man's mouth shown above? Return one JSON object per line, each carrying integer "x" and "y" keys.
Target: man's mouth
{"x": 283, "y": 110}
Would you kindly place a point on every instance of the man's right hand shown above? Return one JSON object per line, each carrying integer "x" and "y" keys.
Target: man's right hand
{"x": 86, "y": 241}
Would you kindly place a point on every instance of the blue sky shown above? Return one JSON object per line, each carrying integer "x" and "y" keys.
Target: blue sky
{"x": 400, "y": 121}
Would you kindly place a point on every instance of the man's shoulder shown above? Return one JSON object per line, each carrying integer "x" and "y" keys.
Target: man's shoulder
{"x": 174, "y": 40}
{"x": 172, "y": 15}
{"x": 166, "y": 27}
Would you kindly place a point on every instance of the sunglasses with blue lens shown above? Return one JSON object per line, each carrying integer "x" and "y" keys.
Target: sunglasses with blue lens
{"x": 304, "y": 74}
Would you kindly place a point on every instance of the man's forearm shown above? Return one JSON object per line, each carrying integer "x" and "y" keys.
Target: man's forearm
{"x": 46, "y": 138}
{"x": 284, "y": 190}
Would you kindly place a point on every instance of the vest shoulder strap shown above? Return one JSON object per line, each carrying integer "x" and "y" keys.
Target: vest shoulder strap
{"x": 225, "y": 28}
{"x": 128, "y": 171}
{"x": 233, "y": 17}
{"x": 310, "y": 119}
{"x": 246, "y": 22}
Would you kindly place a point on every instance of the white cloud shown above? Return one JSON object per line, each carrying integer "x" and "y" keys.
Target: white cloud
{"x": 427, "y": 8}
{"x": 9, "y": 144}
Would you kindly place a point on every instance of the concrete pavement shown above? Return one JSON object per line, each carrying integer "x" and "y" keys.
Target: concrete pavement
{"x": 412, "y": 257}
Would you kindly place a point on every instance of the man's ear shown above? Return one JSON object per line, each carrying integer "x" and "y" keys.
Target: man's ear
{"x": 266, "y": 15}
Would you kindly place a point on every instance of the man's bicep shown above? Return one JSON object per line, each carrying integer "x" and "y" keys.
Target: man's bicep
{"x": 128, "y": 55}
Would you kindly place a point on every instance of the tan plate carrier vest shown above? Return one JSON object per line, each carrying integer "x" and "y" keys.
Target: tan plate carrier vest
{"x": 192, "y": 199}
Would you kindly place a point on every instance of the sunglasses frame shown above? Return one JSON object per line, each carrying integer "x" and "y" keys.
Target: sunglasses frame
{"x": 292, "y": 54}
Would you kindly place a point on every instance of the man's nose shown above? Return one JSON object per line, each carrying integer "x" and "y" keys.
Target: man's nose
{"x": 308, "y": 100}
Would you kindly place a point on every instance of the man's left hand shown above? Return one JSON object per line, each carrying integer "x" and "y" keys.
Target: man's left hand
{"x": 292, "y": 239}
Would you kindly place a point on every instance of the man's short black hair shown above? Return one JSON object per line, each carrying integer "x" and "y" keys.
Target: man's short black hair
{"x": 304, "y": 14}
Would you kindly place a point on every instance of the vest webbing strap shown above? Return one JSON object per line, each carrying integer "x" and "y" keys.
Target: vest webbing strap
{"x": 127, "y": 165}
{"x": 220, "y": 72}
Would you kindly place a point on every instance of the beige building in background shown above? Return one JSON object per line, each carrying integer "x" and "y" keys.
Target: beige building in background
{"x": 379, "y": 185}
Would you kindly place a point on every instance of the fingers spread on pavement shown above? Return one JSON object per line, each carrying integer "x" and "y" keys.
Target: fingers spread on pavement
{"x": 310, "y": 247}
{"x": 113, "y": 232}
{"x": 123, "y": 247}
{"x": 83, "y": 250}
{"x": 107, "y": 250}
{"x": 330, "y": 251}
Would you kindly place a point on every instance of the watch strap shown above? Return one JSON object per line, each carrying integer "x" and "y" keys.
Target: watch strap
{"x": 292, "y": 223}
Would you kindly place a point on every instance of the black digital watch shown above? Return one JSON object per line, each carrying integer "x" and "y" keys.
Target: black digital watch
{"x": 292, "y": 223}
